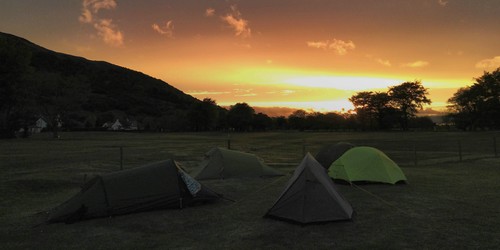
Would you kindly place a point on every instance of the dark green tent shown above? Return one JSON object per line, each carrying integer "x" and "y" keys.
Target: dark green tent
{"x": 310, "y": 197}
{"x": 330, "y": 153}
{"x": 221, "y": 163}
{"x": 155, "y": 186}
{"x": 366, "y": 164}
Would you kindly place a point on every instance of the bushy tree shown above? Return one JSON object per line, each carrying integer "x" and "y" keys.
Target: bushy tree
{"x": 335, "y": 121}
{"x": 363, "y": 107}
{"x": 203, "y": 115}
{"x": 408, "y": 98}
{"x": 240, "y": 117}
{"x": 280, "y": 122}
{"x": 262, "y": 122}
{"x": 463, "y": 108}
{"x": 478, "y": 105}
{"x": 372, "y": 108}
{"x": 297, "y": 120}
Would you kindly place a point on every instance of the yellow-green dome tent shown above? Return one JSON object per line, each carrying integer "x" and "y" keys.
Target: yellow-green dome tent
{"x": 366, "y": 164}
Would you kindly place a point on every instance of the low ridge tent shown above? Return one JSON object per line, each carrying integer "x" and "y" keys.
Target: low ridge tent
{"x": 310, "y": 196}
{"x": 158, "y": 185}
{"x": 221, "y": 163}
{"x": 330, "y": 153}
{"x": 366, "y": 164}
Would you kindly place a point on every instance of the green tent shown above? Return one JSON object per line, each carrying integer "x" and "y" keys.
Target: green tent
{"x": 366, "y": 164}
{"x": 221, "y": 163}
{"x": 155, "y": 186}
{"x": 310, "y": 196}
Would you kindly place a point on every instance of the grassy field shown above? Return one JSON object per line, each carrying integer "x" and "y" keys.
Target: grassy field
{"x": 452, "y": 200}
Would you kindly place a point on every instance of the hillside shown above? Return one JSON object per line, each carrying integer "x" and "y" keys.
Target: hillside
{"x": 113, "y": 92}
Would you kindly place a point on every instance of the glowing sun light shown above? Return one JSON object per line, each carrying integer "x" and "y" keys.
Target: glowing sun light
{"x": 343, "y": 82}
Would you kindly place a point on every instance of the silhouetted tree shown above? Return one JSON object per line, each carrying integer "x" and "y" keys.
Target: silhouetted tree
{"x": 262, "y": 122}
{"x": 334, "y": 121}
{"x": 463, "y": 108}
{"x": 297, "y": 120}
{"x": 384, "y": 112}
{"x": 203, "y": 115}
{"x": 350, "y": 120}
{"x": 240, "y": 117}
{"x": 221, "y": 123}
{"x": 280, "y": 122}
{"x": 408, "y": 97}
{"x": 314, "y": 121}
{"x": 363, "y": 107}
{"x": 372, "y": 108}
{"x": 478, "y": 105}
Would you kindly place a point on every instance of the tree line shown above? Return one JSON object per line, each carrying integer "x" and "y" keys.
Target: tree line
{"x": 75, "y": 94}
{"x": 394, "y": 109}
{"x": 470, "y": 108}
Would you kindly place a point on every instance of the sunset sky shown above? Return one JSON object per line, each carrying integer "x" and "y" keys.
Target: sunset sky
{"x": 274, "y": 53}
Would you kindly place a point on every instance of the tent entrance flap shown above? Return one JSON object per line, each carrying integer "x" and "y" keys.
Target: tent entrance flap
{"x": 192, "y": 185}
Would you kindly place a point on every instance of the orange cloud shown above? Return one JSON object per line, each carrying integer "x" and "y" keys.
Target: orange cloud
{"x": 442, "y": 2}
{"x": 209, "y": 12}
{"x": 86, "y": 16}
{"x": 416, "y": 64}
{"x": 339, "y": 46}
{"x": 240, "y": 25}
{"x": 244, "y": 92}
{"x": 491, "y": 63}
{"x": 91, "y": 7}
{"x": 284, "y": 92}
{"x": 104, "y": 27}
{"x": 384, "y": 62}
{"x": 108, "y": 32}
{"x": 318, "y": 45}
{"x": 167, "y": 30}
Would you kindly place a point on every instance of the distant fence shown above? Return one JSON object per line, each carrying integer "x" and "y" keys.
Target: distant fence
{"x": 412, "y": 152}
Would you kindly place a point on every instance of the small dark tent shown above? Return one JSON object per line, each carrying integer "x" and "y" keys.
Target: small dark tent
{"x": 221, "y": 163}
{"x": 310, "y": 196}
{"x": 330, "y": 153}
{"x": 155, "y": 186}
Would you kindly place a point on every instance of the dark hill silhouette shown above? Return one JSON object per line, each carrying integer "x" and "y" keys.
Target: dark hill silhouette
{"x": 117, "y": 91}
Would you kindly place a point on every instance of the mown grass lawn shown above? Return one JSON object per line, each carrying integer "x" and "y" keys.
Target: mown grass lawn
{"x": 448, "y": 203}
